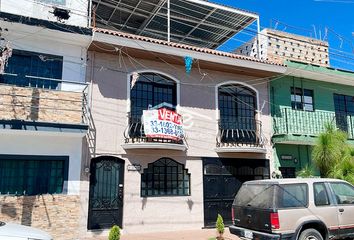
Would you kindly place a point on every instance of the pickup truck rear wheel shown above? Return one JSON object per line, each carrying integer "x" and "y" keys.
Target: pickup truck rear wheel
{"x": 310, "y": 234}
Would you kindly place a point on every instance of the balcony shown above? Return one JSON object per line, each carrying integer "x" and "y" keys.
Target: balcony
{"x": 240, "y": 135}
{"x": 40, "y": 104}
{"x": 135, "y": 138}
{"x": 309, "y": 124}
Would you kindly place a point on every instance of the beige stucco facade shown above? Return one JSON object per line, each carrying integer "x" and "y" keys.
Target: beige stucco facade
{"x": 109, "y": 75}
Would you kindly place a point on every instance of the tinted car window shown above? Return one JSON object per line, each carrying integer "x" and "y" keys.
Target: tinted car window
{"x": 320, "y": 193}
{"x": 255, "y": 195}
{"x": 292, "y": 195}
{"x": 344, "y": 193}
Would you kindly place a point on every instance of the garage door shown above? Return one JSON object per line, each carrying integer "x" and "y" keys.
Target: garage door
{"x": 222, "y": 178}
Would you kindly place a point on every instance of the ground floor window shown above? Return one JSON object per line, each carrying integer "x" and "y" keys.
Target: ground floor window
{"x": 165, "y": 177}
{"x": 32, "y": 175}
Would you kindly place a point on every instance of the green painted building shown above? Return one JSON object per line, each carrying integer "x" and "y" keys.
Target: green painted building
{"x": 302, "y": 102}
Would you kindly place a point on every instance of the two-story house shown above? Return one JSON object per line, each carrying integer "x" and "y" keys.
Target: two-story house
{"x": 44, "y": 114}
{"x": 302, "y": 103}
{"x": 303, "y": 100}
{"x": 180, "y": 125}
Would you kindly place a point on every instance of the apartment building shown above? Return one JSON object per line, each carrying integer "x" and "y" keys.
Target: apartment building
{"x": 280, "y": 46}
{"x": 44, "y": 116}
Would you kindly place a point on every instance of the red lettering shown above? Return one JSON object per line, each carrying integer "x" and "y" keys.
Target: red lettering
{"x": 168, "y": 115}
{"x": 162, "y": 113}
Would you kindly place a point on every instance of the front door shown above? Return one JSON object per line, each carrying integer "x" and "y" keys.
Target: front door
{"x": 222, "y": 179}
{"x": 106, "y": 193}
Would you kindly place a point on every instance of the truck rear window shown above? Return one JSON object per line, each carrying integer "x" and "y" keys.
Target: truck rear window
{"x": 269, "y": 196}
{"x": 255, "y": 195}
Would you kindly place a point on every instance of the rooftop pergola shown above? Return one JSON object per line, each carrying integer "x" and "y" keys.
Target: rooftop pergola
{"x": 193, "y": 22}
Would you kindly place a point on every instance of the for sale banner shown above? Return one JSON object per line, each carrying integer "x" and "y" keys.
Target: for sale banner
{"x": 163, "y": 123}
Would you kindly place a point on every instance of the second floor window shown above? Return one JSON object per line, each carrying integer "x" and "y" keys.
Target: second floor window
{"x": 237, "y": 105}
{"x": 302, "y": 99}
{"x": 30, "y": 69}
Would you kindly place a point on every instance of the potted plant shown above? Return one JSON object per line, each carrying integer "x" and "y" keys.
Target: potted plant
{"x": 220, "y": 227}
{"x": 114, "y": 233}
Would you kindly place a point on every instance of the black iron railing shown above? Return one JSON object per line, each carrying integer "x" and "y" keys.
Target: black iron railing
{"x": 297, "y": 122}
{"x": 134, "y": 133}
{"x": 240, "y": 132}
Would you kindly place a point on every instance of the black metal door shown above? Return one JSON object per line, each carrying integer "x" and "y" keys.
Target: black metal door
{"x": 106, "y": 193}
{"x": 222, "y": 178}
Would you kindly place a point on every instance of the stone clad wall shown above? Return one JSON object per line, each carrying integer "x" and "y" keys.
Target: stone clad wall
{"x": 42, "y": 105}
{"x": 58, "y": 215}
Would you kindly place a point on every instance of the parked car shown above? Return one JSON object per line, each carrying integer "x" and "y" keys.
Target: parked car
{"x": 311, "y": 209}
{"x": 11, "y": 231}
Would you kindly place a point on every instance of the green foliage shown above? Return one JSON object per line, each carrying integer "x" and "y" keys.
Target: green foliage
{"x": 220, "y": 227}
{"x": 333, "y": 155}
{"x": 306, "y": 172}
{"x": 344, "y": 170}
{"x": 330, "y": 148}
{"x": 114, "y": 233}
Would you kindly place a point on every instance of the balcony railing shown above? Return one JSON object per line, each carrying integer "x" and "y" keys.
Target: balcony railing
{"x": 134, "y": 134}
{"x": 240, "y": 132}
{"x": 297, "y": 122}
{"x": 38, "y": 99}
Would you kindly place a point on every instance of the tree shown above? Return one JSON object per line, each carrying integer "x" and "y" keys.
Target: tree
{"x": 344, "y": 170}
{"x": 331, "y": 147}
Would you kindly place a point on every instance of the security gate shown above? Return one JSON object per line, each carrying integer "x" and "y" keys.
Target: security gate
{"x": 106, "y": 193}
{"x": 222, "y": 178}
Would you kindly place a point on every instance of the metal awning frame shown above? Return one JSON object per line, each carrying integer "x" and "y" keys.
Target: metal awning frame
{"x": 192, "y": 22}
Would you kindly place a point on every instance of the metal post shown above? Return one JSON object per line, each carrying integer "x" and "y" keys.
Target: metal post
{"x": 259, "y": 38}
{"x": 90, "y": 14}
{"x": 168, "y": 21}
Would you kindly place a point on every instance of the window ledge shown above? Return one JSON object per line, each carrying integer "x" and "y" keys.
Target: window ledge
{"x": 240, "y": 150}
{"x": 163, "y": 146}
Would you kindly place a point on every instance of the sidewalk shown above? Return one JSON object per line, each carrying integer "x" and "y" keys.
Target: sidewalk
{"x": 203, "y": 234}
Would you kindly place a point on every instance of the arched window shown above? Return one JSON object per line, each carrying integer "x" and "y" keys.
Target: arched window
{"x": 149, "y": 90}
{"x": 165, "y": 177}
{"x": 237, "y": 104}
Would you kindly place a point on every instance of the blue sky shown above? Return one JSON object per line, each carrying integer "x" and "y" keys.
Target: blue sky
{"x": 336, "y": 15}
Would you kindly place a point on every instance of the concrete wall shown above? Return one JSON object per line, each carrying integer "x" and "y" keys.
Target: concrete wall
{"x": 42, "y": 9}
{"x": 323, "y": 92}
{"x": 197, "y": 104}
{"x": 302, "y": 154}
{"x": 154, "y": 214}
{"x": 18, "y": 142}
